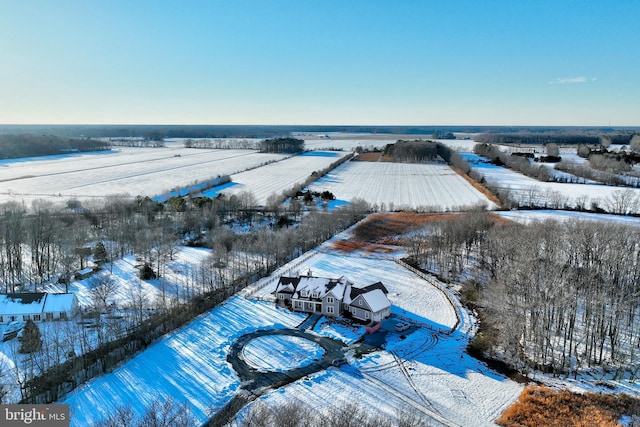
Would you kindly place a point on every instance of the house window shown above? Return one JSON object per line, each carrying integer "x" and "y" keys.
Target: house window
{"x": 329, "y": 300}
{"x": 1, "y": 319}
{"x": 63, "y": 315}
{"x": 36, "y": 317}
{"x": 330, "y": 310}
{"x": 360, "y": 302}
{"x": 298, "y": 304}
{"x": 315, "y": 295}
{"x": 13, "y": 318}
{"x": 366, "y": 314}
{"x": 25, "y": 317}
{"x": 49, "y": 316}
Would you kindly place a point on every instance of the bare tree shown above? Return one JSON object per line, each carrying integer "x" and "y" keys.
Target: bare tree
{"x": 103, "y": 287}
{"x": 622, "y": 202}
{"x": 634, "y": 144}
{"x": 553, "y": 150}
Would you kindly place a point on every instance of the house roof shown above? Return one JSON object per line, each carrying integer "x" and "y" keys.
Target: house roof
{"x": 316, "y": 285}
{"x": 320, "y": 286}
{"x": 22, "y": 303}
{"x": 376, "y": 300}
{"x": 355, "y": 291}
{"x": 287, "y": 284}
{"x": 35, "y": 303}
{"x": 59, "y": 302}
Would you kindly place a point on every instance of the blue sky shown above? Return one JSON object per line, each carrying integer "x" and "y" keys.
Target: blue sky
{"x": 400, "y": 62}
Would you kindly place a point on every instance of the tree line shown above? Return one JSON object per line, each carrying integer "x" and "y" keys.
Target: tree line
{"x": 222, "y": 143}
{"x": 564, "y": 138}
{"x": 557, "y": 296}
{"x": 13, "y": 146}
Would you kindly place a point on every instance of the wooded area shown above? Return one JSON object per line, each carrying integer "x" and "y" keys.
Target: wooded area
{"x": 556, "y": 296}
{"x": 282, "y": 145}
{"x": 589, "y": 137}
{"x": 13, "y": 146}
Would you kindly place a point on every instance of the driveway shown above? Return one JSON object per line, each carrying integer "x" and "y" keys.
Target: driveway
{"x": 253, "y": 379}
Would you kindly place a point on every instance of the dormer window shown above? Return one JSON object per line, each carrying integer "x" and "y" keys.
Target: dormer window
{"x": 315, "y": 295}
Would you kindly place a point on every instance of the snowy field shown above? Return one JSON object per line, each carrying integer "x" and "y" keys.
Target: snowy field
{"x": 428, "y": 371}
{"x": 527, "y": 216}
{"x": 277, "y": 177}
{"x": 123, "y": 170}
{"x": 524, "y": 188}
{"x": 394, "y": 186}
{"x": 346, "y": 143}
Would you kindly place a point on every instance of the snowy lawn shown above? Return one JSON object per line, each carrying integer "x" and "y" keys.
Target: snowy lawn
{"x": 189, "y": 365}
{"x": 283, "y": 353}
{"x": 424, "y": 369}
{"x": 441, "y": 383}
{"x": 410, "y": 296}
{"x": 174, "y": 282}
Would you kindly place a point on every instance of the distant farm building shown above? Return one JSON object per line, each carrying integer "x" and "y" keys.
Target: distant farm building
{"x": 333, "y": 297}
{"x": 37, "y": 306}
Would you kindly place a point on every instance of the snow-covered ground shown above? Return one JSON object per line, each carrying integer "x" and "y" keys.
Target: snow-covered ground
{"x": 123, "y": 170}
{"x": 277, "y": 177}
{"x": 527, "y": 216}
{"x": 175, "y": 279}
{"x": 394, "y": 186}
{"x": 427, "y": 371}
{"x": 524, "y": 188}
{"x": 410, "y": 296}
{"x": 189, "y": 365}
{"x": 80, "y": 334}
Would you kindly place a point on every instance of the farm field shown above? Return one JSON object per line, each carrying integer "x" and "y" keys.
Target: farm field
{"x": 276, "y": 177}
{"x": 394, "y": 186}
{"x": 524, "y": 188}
{"x": 124, "y": 170}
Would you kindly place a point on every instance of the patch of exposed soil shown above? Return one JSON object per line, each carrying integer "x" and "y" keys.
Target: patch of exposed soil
{"x": 382, "y": 229}
{"x": 373, "y": 157}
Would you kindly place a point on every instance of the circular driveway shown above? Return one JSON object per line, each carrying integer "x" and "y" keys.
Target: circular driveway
{"x": 253, "y": 378}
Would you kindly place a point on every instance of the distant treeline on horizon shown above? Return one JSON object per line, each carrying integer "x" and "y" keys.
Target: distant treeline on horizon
{"x": 267, "y": 131}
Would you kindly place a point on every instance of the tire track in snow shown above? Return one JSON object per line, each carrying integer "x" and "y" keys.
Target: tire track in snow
{"x": 418, "y": 406}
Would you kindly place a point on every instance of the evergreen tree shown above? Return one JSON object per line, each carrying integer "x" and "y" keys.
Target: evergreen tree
{"x": 100, "y": 253}
{"x": 30, "y": 341}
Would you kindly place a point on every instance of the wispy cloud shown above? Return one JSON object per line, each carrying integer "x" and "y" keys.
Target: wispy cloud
{"x": 572, "y": 80}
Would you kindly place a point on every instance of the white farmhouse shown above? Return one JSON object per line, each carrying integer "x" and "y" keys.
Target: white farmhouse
{"x": 37, "y": 306}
